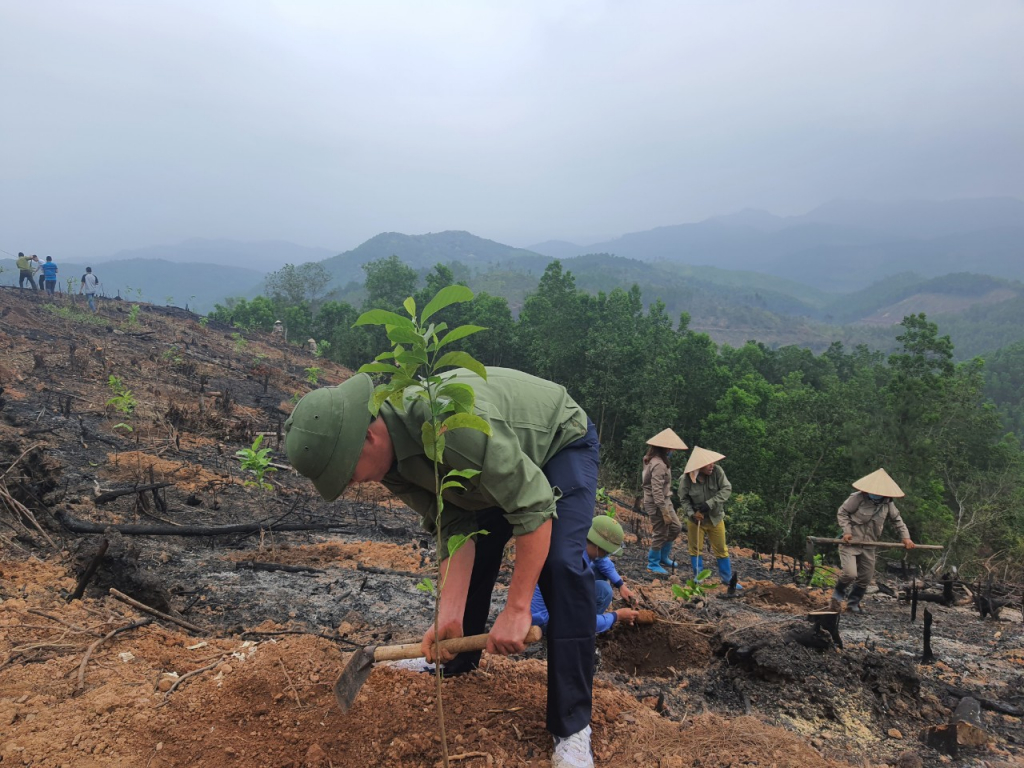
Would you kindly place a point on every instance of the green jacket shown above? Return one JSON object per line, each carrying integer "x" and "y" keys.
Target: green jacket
{"x": 715, "y": 489}
{"x": 531, "y": 420}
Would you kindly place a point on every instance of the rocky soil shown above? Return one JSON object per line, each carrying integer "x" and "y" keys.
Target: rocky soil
{"x": 714, "y": 682}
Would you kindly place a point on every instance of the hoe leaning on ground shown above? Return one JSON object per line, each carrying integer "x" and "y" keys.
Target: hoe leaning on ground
{"x": 360, "y": 664}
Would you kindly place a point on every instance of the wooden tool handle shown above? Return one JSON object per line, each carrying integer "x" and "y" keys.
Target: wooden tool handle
{"x": 879, "y": 544}
{"x": 454, "y": 644}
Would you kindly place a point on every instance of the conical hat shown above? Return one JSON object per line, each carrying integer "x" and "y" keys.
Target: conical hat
{"x": 668, "y": 439}
{"x": 701, "y": 457}
{"x": 879, "y": 483}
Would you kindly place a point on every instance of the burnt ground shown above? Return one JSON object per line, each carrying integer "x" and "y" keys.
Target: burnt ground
{"x": 717, "y": 682}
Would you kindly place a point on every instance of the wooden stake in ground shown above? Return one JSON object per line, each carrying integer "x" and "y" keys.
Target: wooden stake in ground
{"x": 913, "y": 604}
{"x": 927, "y": 657}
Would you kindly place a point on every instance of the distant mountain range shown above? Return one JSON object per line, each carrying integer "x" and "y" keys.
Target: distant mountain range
{"x": 840, "y": 246}
{"x": 853, "y": 264}
{"x": 262, "y": 256}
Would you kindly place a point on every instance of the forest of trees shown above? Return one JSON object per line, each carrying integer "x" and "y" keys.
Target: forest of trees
{"x": 797, "y": 428}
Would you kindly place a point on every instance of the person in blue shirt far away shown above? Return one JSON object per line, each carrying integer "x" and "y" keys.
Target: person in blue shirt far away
{"x": 49, "y": 275}
{"x": 603, "y": 539}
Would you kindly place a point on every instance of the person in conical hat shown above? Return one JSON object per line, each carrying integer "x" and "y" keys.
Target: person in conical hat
{"x": 604, "y": 538}
{"x": 657, "y": 484}
{"x": 703, "y": 491}
{"x": 536, "y": 481}
{"x": 862, "y": 517}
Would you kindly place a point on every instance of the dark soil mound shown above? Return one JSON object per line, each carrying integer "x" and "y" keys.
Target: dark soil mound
{"x": 650, "y": 651}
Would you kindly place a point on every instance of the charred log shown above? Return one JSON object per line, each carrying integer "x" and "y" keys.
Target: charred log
{"x": 256, "y": 565}
{"x": 132, "y": 529}
{"x": 827, "y": 621}
{"x": 109, "y": 496}
{"x": 89, "y": 572}
{"x": 992, "y": 705}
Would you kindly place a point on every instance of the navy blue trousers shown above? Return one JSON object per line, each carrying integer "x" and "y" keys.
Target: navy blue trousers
{"x": 566, "y": 582}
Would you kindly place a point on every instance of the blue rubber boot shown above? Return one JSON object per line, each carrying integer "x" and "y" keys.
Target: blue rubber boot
{"x": 666, "y": 556}
{"x": 725, "y": 571}
{"x": 654, "y": 562}
{"x": 697, "y": 565}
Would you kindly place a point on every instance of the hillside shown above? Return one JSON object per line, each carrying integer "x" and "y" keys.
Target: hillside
{"x": 423, "y": 252}
{"x": 980, "y": 312}
{"x": 252, "y": 627}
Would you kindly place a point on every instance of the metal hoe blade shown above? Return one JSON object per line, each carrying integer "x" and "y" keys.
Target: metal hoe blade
{"x": 352, "y": 677}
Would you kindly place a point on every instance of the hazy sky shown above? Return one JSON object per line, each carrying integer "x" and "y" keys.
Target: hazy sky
{"x": 129, "y": 123}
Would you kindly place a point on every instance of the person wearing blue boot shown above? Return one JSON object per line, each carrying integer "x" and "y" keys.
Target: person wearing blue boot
{"x": 657, "y": 481}
{"x": 703, "y": 491}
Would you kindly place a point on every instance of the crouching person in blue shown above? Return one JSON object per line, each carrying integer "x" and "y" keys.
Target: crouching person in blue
{"x": 537, "y": 483}
{"x": 604, "y": 539}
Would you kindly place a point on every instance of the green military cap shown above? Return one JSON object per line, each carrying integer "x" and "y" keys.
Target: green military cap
{"x": 325, "y": 434}
{"x": 606, "y": 534}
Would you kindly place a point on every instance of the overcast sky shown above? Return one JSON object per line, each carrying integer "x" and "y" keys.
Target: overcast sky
{"x": 127, "y": 124}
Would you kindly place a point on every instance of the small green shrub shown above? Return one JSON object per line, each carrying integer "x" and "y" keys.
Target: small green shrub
{"x": 72, "y": 313}
{"x": 173, "y": 355}
{"x": 605, "y": 502}
{"x": 123, "y": 401}
{"x": 693, "y": 587}
{"x": 824, "y": 576}
{"x": 313, "y": 375}
{"x": 256, "y": 461}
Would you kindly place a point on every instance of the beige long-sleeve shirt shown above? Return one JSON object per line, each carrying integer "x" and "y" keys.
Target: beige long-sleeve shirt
{"x": 657, "y": 481}
{"x": 863, "y": 519}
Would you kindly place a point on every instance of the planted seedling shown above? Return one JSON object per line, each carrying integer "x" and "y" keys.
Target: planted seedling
{"x": 413, "y": 370}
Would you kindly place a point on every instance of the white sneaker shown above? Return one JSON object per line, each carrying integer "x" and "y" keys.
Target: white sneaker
{"x": 416, "y": 665}
{"x": 573, "y": 751}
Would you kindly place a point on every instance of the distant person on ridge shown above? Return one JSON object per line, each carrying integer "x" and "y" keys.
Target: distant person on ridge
{"x": 50, "y": 275}
{"x": 657, "y": 483}
{"x": 703, "y": 491}
{"x": 537, "y": 483}
{"x": 26, "y": 271}
{"x": 89, "y": 285}
{"x": 862, "y": 517}
{"x": 604, "y": 539}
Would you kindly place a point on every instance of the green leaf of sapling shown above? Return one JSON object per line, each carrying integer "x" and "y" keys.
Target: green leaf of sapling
{"x": 382, "y": 317}
{"x": 462, "y": 360}
{"x": 467, "y": 421}
{"x": 450, "y": 294}
{"x": 460, "y": 333}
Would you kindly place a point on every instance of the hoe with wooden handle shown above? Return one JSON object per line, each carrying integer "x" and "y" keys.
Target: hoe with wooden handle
{"x": 359, "y": 666}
